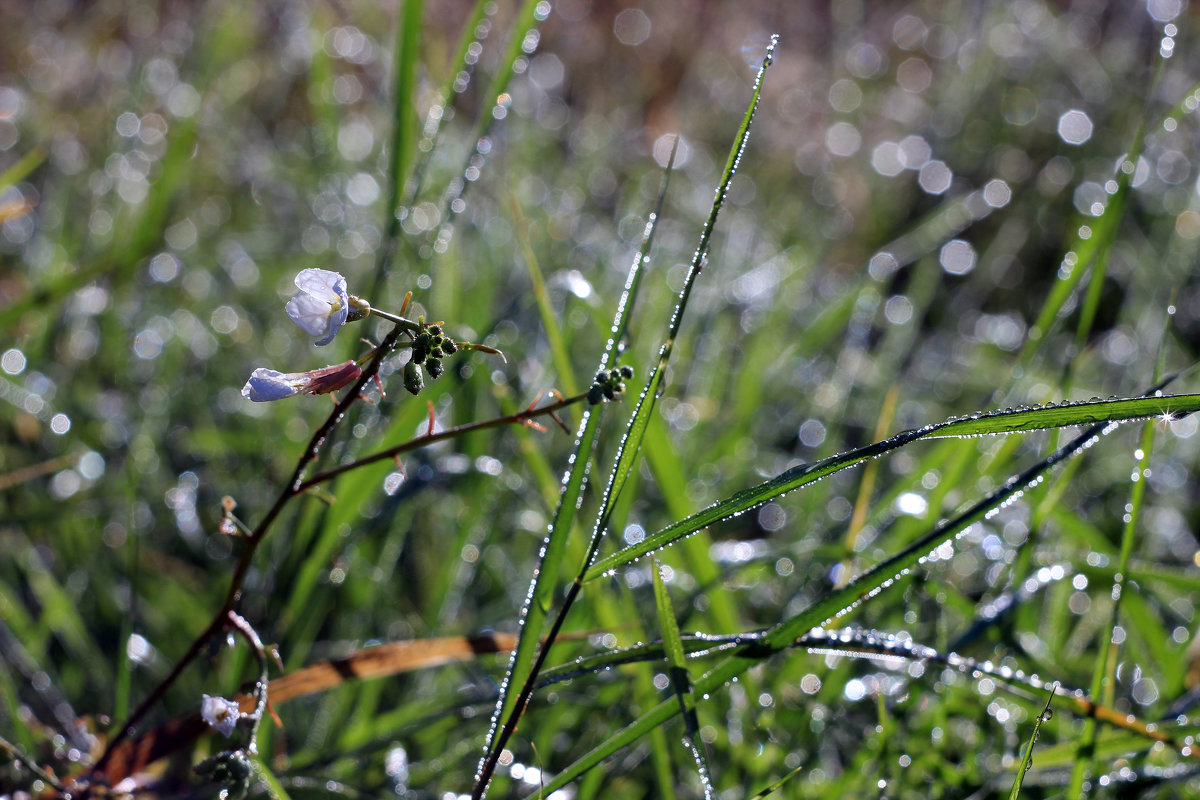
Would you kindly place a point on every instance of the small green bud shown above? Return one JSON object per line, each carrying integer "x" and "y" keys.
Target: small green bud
{"x": 436, "y": 330}
{"x": 419, "y": 353}
{"x": 434, "y": 367}
{"x": 359, "y": 309}
{"x": 601, "y": 377}
{"x": 626, "y": 372}
{"x": 449, "y": 347}
{"x": 414, "y": 381}
{"x": 595, "y": 394}
{"x": 609, "y": 394}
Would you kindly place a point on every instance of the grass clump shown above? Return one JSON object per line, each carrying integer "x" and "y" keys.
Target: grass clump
{"x": 955, "y": 252}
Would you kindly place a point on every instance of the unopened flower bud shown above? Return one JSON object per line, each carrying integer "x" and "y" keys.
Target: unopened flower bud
{"x": 414, "y": 381}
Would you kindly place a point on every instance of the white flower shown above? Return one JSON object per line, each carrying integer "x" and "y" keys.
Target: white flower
{"x": 220, "y": 713}
{"x": 323, "y": 304}
{"x": 266, "y": 385}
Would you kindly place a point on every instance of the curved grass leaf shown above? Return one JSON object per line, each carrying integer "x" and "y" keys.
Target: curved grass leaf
{"x": 681, "y": 682}
{"x": 546, "y": 578}
{"x": 628, "y": 449}
{"x": 838, "y": 601}
{"x": 1104, "y": 668}
{"x": 1027, "y": 761}
{"x": 1169, "y": 407}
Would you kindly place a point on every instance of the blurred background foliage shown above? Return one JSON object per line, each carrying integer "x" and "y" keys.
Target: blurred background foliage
{"x": 918, "y": 179}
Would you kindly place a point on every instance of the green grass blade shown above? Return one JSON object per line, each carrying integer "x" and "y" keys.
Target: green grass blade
{"x": 404, "y": 121}
{"x": 554, "y": 334}
{"x": 274, "y": 788}
{"x": 997, "y": 422}
{"x": 1027, "y": 760}
{"x": 681, "y": 681}
{"x": 627, "y": 451}
{"x": 831, "y": 605}
{"x": 545, "y": 581}
{"x": 1104, "y": 669}
{"x": 22, "y": 168}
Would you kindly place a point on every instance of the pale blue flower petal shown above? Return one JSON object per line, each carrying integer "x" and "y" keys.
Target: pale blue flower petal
{"x": 220, "y": 713}
{"x": 322, "y": 283}
{"x": 266, "y": 385}
{"x": 310, "y": 313}
{"x": 323, "y": 304}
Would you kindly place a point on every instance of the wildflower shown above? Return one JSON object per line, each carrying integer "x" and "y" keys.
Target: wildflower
{"x": 220, "y": 713}
{"x": 323, "y": 305}
{"x": 267, "y": 384}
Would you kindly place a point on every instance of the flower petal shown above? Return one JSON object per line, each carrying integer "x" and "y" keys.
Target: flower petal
{"x": 266, "y": 385}
{"x": 310, "y": 313}
{"x": 220, "y": 713}
{"x": 325, "y": 284}
{"x": 336, "y": 321}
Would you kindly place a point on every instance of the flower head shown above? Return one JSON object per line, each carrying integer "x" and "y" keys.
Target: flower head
{"x": 220, "y": 713}
{"x": 266, "y": 385}
{"x": 323, "y": 304}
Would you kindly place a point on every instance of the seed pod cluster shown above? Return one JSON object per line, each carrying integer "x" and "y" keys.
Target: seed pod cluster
{"x": 428, "y": 350}
{"x": 609, "y": 384}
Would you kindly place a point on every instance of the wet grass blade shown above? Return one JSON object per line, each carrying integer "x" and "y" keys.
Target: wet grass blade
{"x": 554, "y": 334}
{"x": 1027, "y": 760}
{"x": 404, "y": 124}
{"x": 546, "y": 581}
{"x": 1105, "y": 666}
{"x": 627, "y": 450}
{"x": 681, "y": 681}
{"x": 1099, "y": 412}
{"x": 832, "y": 605}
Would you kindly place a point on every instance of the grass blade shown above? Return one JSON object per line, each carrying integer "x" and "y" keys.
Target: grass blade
{"x": 1027, "y": 761}
{"x": 832, "y": 605}
{"x": 681, "y": 682}
{"x": 545, "y": 581}
{"x": 1098, "y": 412}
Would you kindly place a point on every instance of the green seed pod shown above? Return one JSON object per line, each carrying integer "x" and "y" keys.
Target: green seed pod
{"x": 414, "y": 381}
{"x": 434, "y": 367}
{"x": 601, "y": 377}
{"x": 419, "y": 353}
{"x": 609, "y": 394}
{"x": 449, "y": 347}
{"x": 436, "y": 351}
{"x": 595, "y": 394}
{"x": 626, "y": 372}
{"x": 436, "y": 330}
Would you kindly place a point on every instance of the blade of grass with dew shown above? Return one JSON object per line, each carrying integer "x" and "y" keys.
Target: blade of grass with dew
{"x": 997, "y": 422}
{"x": 554, "y": 334}
{"x": 628, "y": 449}
{"x": 453, "y": 85}
{"x": 777, "y": 785}
{"x": 667, "y": 468}
{"x": 830, "y": 606}
{"x": 681, "y": 682}
{"x": 1104, "y": 670}
{"x": 545, "y": 582}
{"x": 404, "y": 113}
{"x": 404, "y": 130}
{"x": 1093, "y": 243}
{"x": 1027, "y": 760}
